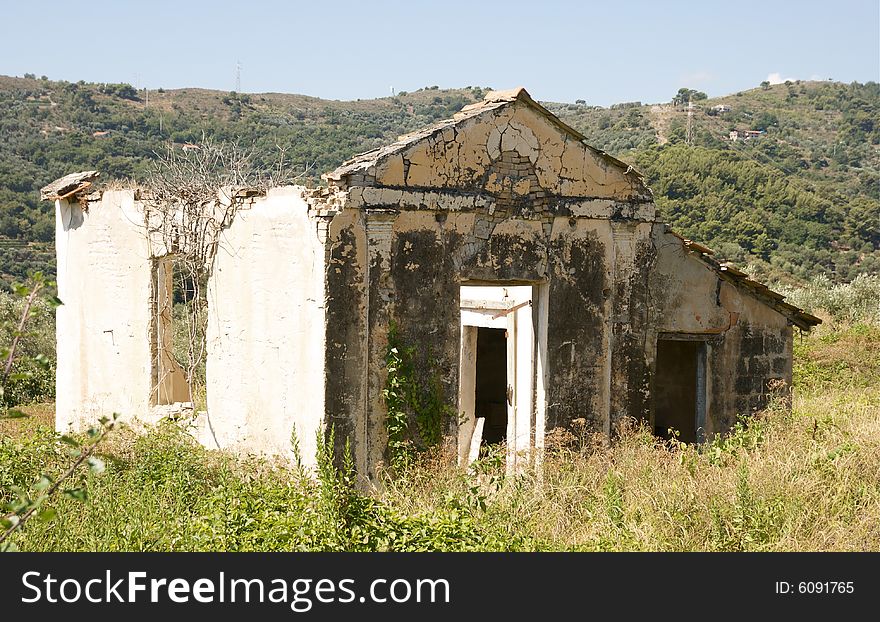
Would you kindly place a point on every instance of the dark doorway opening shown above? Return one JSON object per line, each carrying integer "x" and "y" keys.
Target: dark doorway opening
{"x": 680, "y": 389}
{"x": 490, "y": 399}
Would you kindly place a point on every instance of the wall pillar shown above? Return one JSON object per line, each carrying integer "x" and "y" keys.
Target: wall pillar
{"x": 380, "y": 300}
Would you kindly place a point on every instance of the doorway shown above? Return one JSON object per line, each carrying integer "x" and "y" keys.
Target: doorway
{"x": 490, "y": 391}
{"x": 680, "y": 389}
{"x": 501, "y": 372}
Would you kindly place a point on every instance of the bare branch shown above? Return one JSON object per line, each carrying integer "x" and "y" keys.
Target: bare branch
{"x": 191, "y": 197}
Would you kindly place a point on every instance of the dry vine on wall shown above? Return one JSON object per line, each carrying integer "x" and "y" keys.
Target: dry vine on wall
{"x": 191, "y": 196}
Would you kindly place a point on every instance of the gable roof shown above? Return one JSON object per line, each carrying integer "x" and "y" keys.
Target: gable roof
{"x": 728, "y": 272}
{"x": 362, "y": 163}
{"x": 366, "y": 163}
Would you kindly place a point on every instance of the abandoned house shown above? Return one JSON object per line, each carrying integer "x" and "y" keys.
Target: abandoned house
{"x": 524, "y": 270}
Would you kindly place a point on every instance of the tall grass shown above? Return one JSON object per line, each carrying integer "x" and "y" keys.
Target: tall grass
{"x": 807, "y": 479}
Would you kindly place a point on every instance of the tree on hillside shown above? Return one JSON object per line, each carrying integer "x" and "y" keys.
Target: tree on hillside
{"x": 764, "y": 120}
{"x": 827, "y": 138}
{"x": 685, "y": 95}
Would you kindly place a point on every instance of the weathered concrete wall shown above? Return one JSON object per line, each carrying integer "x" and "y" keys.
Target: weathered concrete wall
{"x": 406, "y": 269}
{"x": 465, "y": 157}
{"x": 104, "y": 329}
{"x": 633, "y": 262}
{"x": 614, "y": 286}
{"x": 756, "y": 353}
{"x": 307, "y": 285}
{"x": 345, "y": 355}
{"x": 578, "y": 328}
{"x": 749, "y": 343}
{"x": 506, "y": 197}
{"x": 266, "y": 322}
{"x": 615, "y": 283}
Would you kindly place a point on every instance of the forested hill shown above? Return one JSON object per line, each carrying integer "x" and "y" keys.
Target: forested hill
{"x": 799, "y": 196}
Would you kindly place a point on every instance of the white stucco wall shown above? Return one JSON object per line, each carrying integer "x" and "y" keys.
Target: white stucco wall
{"x": 103, "y": 327}
{"x": 265, "y": 368}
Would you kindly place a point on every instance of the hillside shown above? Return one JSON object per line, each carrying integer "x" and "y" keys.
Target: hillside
{"x": 800, "y": 199}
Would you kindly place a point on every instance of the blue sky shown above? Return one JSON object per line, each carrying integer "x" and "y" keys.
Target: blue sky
{"x": 561, "y": 51}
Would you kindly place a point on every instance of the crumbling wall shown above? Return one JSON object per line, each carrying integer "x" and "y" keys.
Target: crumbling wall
{"x": 345, "y": 355}
{"x": 749, "y": 343}
{"x": 503, "y": 198}
{"x": 466, "y": 154}
{"x": 266, "y": 323}
{"x": 578, "y": 332}
{"x": 754, "y": 363}
{"x": 104, "y": 327}
{"x": 629, "y": 313}
{"x": 404, "y": 266}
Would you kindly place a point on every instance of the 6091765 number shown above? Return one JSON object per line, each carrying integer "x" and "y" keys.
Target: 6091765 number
{"x": 826, "y": 587}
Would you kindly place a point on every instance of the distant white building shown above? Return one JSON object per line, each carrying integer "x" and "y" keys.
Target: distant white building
{"x": 721, "y": 108}
{"x": 736, "y": 135}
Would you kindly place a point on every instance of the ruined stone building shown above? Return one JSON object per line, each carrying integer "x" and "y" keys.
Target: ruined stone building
{"x": 526, "y": 270}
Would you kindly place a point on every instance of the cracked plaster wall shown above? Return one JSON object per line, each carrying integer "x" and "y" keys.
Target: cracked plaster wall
{"x": 105, "y": 280}
{"x": 266, "y": 323}
{"x": 508, "y": 198}
{"x": 750, "y": 343}
{"x": 461, "y": 157}
{"x": 511, "y": 199}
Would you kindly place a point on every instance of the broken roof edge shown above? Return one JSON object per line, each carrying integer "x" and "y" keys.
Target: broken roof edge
{"x": 81, "y": 186}
{"x": 492, "y": 101}
{"x": 68, "y": 186}
{"x": 727, "y": 271}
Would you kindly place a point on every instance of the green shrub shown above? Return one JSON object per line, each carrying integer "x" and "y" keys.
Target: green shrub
{"x": 848, "y": 303}
{"x": 33, "y": 372}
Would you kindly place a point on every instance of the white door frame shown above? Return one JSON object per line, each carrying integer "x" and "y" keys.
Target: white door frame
{"x": 509, "y": 308}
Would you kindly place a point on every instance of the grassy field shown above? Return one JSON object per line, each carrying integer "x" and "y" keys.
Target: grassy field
{"x": 801, "y": 480}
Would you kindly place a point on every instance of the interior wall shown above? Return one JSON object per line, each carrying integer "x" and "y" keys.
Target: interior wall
{"x": 490, "y": 391}
{"x": 105, "y": 280}
{"x": 265, "y": 336}
{"x": 675, "y": 389}
{"x": 170, "y": 379}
